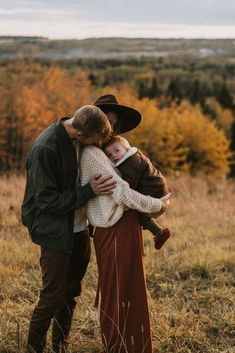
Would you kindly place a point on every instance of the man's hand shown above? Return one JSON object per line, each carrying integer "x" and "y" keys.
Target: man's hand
{"x": 103, "y": 185}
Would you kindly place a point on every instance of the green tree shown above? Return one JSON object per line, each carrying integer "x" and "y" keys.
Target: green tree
{"x": 225, "y": 98}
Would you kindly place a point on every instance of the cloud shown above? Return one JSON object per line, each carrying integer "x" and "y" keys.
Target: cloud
{"x": 37, "y": 11}
{"x": 176, "y": 11}
{"x": 133, "y": 18}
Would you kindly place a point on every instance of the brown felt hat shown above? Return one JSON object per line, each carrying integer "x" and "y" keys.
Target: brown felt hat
{"x": 130, "y": 117}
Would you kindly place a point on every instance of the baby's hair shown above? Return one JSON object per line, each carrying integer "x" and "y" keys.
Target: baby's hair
{"x": 118, "y": 139}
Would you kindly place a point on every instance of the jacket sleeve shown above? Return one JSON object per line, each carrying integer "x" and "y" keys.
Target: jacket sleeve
{"x": 151, "y": 182}
{"x": 95, "y": 161}
{"x": 42, "y": 175}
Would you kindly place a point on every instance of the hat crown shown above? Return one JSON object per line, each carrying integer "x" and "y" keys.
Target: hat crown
{"x": 106, "y": 99}
{"x": 128, "y": 117}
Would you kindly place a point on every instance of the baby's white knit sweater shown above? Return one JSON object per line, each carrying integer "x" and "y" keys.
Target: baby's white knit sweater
{"x": 106, "y": 210}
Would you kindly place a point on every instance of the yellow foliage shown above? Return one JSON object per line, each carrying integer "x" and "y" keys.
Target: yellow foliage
{"x": 208, "y": 148}
{"x": 32, "y": 100}
{"x": 180, "y": 138}
{"x": 224, "y": 119}
{"x": 176, "y": 138}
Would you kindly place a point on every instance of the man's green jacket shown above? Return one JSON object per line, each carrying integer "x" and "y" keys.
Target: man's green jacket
{"x": 51, "y": 193}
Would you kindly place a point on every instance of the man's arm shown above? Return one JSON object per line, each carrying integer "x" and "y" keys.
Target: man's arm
{"x": 43, "y": 183}
{"x": 42, "y": 174}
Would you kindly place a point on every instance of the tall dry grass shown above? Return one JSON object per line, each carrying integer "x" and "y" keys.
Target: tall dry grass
{"x": 190, "y": 280}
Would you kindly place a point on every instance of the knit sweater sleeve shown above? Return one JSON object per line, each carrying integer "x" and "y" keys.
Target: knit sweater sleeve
{"x": 109, "y": 208}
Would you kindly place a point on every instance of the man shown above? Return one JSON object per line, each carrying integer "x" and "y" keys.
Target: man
{"x": 52, "y": 211}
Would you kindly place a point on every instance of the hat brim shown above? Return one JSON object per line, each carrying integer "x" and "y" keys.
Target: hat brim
{"x": 129, "y": 117}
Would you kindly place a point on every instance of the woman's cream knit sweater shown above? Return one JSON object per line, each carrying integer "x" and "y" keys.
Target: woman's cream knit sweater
{"x": 106, "y": 210}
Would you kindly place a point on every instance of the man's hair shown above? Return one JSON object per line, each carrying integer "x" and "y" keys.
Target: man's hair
{"x": 118, "y": 139}
{"x": 91, "y": 120}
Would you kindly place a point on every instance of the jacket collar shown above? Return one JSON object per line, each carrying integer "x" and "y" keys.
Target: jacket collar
{"x": 130, "y": 152}
{"x": 62, "y": 134}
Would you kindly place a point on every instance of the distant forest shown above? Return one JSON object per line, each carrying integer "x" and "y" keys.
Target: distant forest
{"x": 192, "y": 80}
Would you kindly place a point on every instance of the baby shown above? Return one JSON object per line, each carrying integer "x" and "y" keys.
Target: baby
{"x": 139, "y": 172}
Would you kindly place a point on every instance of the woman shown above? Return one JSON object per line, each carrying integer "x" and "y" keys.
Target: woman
{"x": 124, "y": 317}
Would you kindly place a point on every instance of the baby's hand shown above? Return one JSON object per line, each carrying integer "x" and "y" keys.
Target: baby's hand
{"x": 165, "y": 202}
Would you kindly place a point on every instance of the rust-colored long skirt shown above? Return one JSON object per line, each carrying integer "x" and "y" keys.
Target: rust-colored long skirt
{"x": 124, "y": 316}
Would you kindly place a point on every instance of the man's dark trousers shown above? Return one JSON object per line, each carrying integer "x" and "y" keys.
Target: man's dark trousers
{"x": 61, "y": 283}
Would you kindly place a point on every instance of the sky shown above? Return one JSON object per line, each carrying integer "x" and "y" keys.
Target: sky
{"x": 62, "y": 19}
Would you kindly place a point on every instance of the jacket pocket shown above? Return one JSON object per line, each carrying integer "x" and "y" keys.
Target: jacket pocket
{"x": 49, "y": 225}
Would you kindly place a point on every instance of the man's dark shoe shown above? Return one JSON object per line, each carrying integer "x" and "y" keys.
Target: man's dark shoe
{"x": 160, "y": 240}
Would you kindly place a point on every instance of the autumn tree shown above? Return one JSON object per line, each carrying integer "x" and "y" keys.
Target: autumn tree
{"x": 11, "y": 137}
{"x": 179, "y": 137}
{"x": 208, "y": 148}
{"x": 33, "y": 98}
{"x": 223, "y": 117}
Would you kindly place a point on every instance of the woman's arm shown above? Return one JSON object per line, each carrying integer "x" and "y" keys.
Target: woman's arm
{"x": 94, "y": 161}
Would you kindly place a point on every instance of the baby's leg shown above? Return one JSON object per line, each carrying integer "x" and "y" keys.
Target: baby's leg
{"x": 148, "y": 223}
{"x": 160, "y": 234}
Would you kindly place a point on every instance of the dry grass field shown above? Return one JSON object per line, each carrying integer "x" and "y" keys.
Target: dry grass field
{"x": 190, "y": 281}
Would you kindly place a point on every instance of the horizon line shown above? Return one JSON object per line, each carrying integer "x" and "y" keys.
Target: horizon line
{"x": 114, "y": 37}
